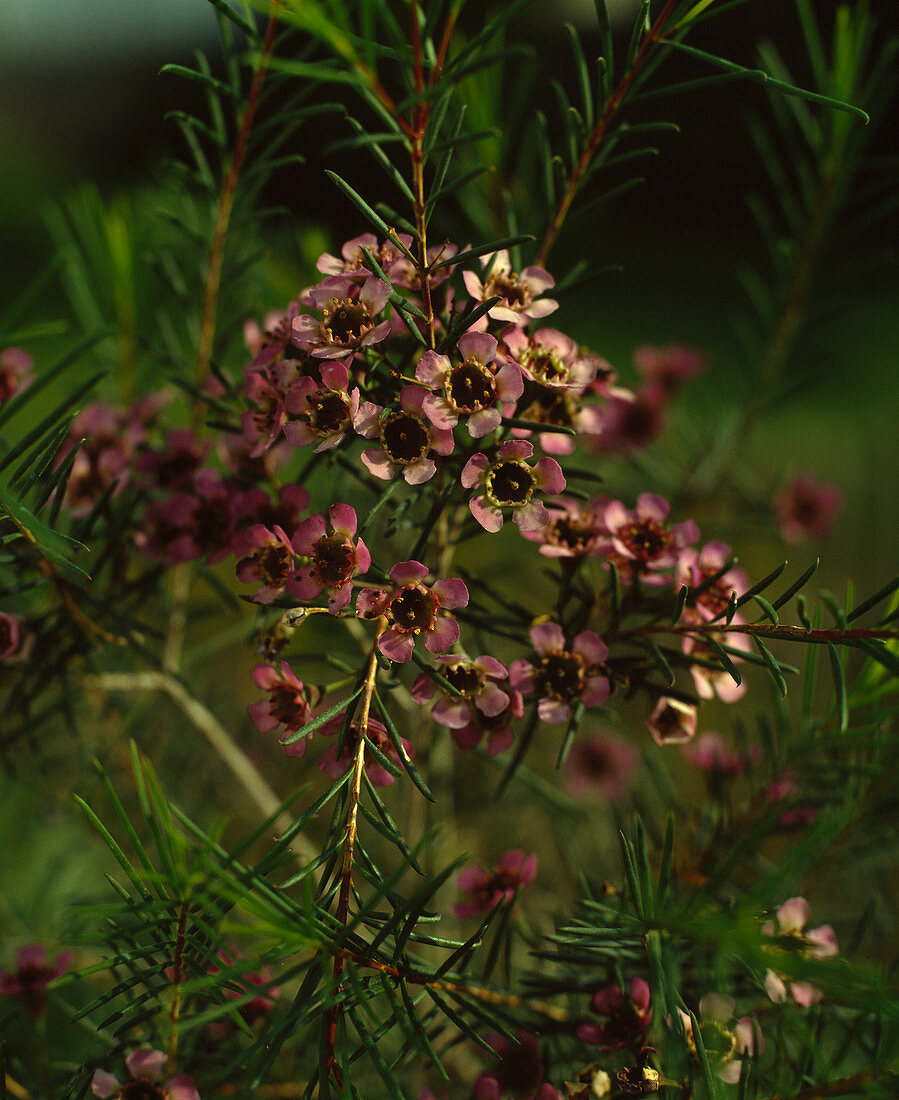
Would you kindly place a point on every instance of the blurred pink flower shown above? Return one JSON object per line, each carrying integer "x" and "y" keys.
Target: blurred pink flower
{"x": 33, "y": 973}
{"x": 600, "y": 768}
{"x": 806, "y": 508}
{"x": 487, "y": 889}
{"x": 725, "y": 1042}
{"x": 816, "y": 943}
{"x": 146, "y": 1068}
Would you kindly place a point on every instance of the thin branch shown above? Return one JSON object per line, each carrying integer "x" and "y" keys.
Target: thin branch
{"x": 763, "y": 630}
{"x": 652, "y": 38}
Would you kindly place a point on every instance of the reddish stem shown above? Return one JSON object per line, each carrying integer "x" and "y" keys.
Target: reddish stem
{"x": 599, "y": 131}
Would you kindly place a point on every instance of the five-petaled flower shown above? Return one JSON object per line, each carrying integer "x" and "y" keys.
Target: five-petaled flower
{"x": 406, "y": 435}
{"x": 324, "y": 411}
{"x": 413, "y": 608}
{"x": 725, "y": 1044}
{"x": 477, "y": 683}
{"x": 672, "y": 721}
{"x": 563, "y": 674}
{"x": 266, "y": 557}
{"x": 331, "y": 561}
{"x": 645, "y": 544}
{"x": 33, "y": 973}
{"x": 816, "y": 943}
{"x": 509, "y": 482}
{"x": 487, "y": 889}
{"x": 472, "y": 388}
{"x": 146, "y": 1068}
{"x": 521, "y": 294}
{"x": 348, "y": 314}
{"x": 287, "y": 708}
{"x": 626, "y": 1017}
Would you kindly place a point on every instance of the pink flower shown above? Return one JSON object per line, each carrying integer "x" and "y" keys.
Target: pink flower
{"x": 509, "y": 482}
{"x": 146, "y": 1068}
{"x": 518, "y": 1071}
{"x": 799, "y": 814}
{"x": 806, "y": 508}
{"x": 324, "y": 411}
{"x": 239, "y": 985}
{"x": 477, "y": 680}
{"x": 672, "y": 721}
{"x": 16, "y": 366}
{"x": 600, "y": 768}
{"x": 627, "y": 1018}
{"x": 191, "y": 525}
{"x": 256, "y": 506}
{"x": 287, "y": 708}
{"x": 520, "y": 294}
{"x": 406, "y": 435}
{"x": 816, "y": 943}
{"x": 711, "y": 584}
{"x": 724, "y": 1044}
{"x": 628, "y": 421}
{"x": 574, "y": 530}
{"x": 261, "y": 425}
{"x": 562, "y": 674}
{"x": 332, "y": 560}
{"x": 487, "y": 889}
{"x": 472, "y": 388}
{"x": 9, "y": 635}
{"x": 643, "y": 540}
{"x": 710, "y": 682}
{"x": 33, "y": 973}
{"x": 347, "y": 323}
{"x": 496, "y": 727}
{"x": 553, "y": 360}
{"x": 172, "y": 466}
{"x": 377, "y": 736}
{"x": 669, "y": 366}
{"x": 265, "y": 556}
{"x": 412, "y": 609}
{"x": 710, "y": 753}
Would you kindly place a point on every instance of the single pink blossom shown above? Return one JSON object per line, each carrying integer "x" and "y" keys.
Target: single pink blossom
{"x": 324, "y": 412}
{"x": 563, "y": 674}
{"x": 600, "y": 768}
{"x": 146, "y": 1068}
{"x": 376, "y": 735}
{"x": 672, "y": 721}
{"x": 574, "y": 530}
{"x": 510, "y": 482}
{"x": 816, "y": 943}
{"x": 725, "y": 1042}
{"x": 477, "y": 682}
{"x": 33, "y": 973}
{"x": 16, "y": 367}
{"x": 807, "y": 508}
{"x": 518, "y": 1071}
{"x": 330, "y": 561}
{"x": 710, "y": 753}
{"x": 497, "y": 728}
{"x": 487, "y": 889}
{"x": 642, "y": 538}
{"x": 521, "y": 294}
{"x": 287, "y": 708}
{"x": 9, "y": 635}
{"x": 626, "y": 1016}
{"x": 348, "y": 317}
{"x": 413, "y": 608}
{"x": 406, "y": 436}
{"x": 669, "y": 366}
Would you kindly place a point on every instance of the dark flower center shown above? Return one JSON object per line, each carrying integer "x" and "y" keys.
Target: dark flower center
{"x": 470, "y": 387}
{"x": 515, "y": 293}
{"x": 405, "y": 437}
{"x": 546, "y": 366}
{"x": 670, "y": 720}
{"x": 333, "y": 561}
{"x": 345, "y": 320}
{"x": 559, "y": 676}
{"x": 413, "y": 610}
{"x": 141, "y": 1089}
{"x": 519, "y": 1071}
{"x": 464, "y": 678}
{"x": 646, "y": 539}
{"x": 275, "y": 562}
{"x": 213, "y": 521}
{"x": 328, "y": 412}
{"x": 571, "y": 533}
{"x": 623, "y": 1025}
{"x": 289, "y": 706}
{"x": 552, "y": 407}
{"x": 510, "y": 484}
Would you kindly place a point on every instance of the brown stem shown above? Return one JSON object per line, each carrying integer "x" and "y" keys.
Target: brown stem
{"x": 420, "y": 114}
{"x": 226, "y": 206}
{"x": 349, "y": 840}
{"x": 762, "y": 630}
{"x": 177, "y": 978}
{"x": 599, "y": 130}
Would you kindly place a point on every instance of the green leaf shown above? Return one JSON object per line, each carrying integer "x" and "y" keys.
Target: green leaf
{"x": 319, "y": 720}
{"x": 54, "y": 546}
{"x": 839, "y": 687}
{"x": 872, "y": 601}
{"x": 376, "y": 220}
{"x": 772, "y": 664}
